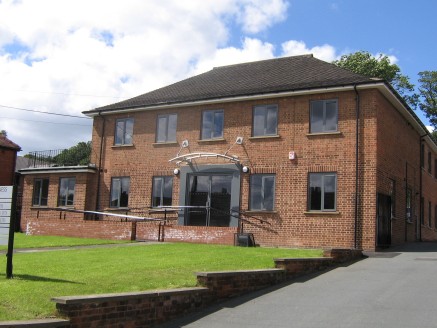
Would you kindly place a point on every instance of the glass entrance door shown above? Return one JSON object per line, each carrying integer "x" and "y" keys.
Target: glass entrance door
{"x": 213, "y": 191}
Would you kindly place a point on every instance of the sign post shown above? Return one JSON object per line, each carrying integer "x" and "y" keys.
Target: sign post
{"x": 7, "y": 223}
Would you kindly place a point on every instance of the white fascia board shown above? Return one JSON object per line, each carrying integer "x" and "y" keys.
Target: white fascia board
{"x": 52, "y": 170}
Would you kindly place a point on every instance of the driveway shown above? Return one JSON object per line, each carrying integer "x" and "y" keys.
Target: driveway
{"x": 394, "y": 288}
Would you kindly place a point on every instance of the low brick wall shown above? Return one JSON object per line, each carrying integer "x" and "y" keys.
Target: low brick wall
{"x": 299, "y": 266}
{"x": 142, "y": 309}
{"x": 342, "y": 255}
{"x": 234, "y": 283}
{"x": 80, "y": 228}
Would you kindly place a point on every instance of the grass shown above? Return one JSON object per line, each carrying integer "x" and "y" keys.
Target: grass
{"x": 40, "y": 276}
{"x": 22, "y": 240}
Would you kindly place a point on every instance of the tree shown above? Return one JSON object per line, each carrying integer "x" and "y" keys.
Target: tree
{"x": 4, "y": 133}
{"x": 364, "y": 63}
{"x": 76, "y": 155}
{"x": 428, "y": 96}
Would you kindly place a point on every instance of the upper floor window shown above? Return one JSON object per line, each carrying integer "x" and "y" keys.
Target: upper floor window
{"x": 166, "y": 128}
{"x": 322, "y": 191}
{"x": 66, "y": 191}
{"x": 212, "y": 124}
{"x": 124, "y": 129}
{"x": 262, "y": 192}
{"x": 429, "y": 162}
{"x": 162, "y": 191}
{"x": 40, "y": 192}
{"x": 323, "y": 116}
{"x": 120, "y": 192}
{"x": 265, "y": 120}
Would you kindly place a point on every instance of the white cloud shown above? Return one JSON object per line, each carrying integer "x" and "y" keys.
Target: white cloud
{"x": 76, "y": 55}
{"x": 325, "y": 52}
{"x": 430, "y": 128}
{"x": 258, "y": 15}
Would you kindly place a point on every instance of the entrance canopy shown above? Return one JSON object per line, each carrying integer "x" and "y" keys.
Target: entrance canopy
{"x": 187, "y": 158}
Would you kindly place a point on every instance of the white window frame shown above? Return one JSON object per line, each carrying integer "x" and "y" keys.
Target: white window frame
{"x": 324, "y": 129}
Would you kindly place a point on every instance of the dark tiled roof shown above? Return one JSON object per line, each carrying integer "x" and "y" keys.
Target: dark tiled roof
{"x": 6, "y": 143}
{"x": 254, "y": 78}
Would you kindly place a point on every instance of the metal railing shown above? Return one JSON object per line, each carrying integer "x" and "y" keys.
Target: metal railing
{"x": 59, "y": 157}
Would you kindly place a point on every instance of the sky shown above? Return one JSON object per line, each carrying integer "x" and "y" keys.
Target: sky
{"x": 69, "y": 56}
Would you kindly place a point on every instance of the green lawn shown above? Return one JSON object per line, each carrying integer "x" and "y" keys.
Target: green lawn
{"x": 22, "y": 240}
{"x": 40, "y": 276}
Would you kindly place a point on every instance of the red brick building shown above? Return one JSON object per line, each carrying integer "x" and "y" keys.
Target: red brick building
{"x": 295, "y": 150}
{"x": 8, "y": 158}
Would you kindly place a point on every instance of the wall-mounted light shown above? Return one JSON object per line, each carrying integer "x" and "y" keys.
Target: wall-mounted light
{"x": 245, "y": 169}
{"x": 176, "y": 171}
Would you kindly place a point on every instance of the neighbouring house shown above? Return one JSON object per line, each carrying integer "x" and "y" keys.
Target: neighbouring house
{"x": 294, "y": 150}
{"x": 8, "y": 158}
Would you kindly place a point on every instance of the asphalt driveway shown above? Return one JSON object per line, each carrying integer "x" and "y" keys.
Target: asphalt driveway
{"x": 394, "y": 288}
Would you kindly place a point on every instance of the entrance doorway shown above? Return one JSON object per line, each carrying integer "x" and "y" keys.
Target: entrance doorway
{"x": 214, "y": 191}
{"x": 383, "y": 221}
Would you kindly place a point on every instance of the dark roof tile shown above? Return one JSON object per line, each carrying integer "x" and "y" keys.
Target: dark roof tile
{"x": 261, "y": 77}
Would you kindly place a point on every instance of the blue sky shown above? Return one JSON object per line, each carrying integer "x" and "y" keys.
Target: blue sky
{"x": 74, "y": 55}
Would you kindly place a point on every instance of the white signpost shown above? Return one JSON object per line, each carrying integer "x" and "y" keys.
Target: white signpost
{"x": 6, "y": 226}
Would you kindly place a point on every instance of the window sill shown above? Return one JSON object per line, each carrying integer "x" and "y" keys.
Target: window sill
{"x": 170, "y": 143}
{"x": 122, "y": 146}
{"x": 113, "y": 209}
{"x": 38, "y": 207}
{"x": 212, "y": 140}
{"x": 321, "y": 213}
{"x": 265, "y": 137}
{"x": 260, "y": 212}
{"x": 334, "y": 133}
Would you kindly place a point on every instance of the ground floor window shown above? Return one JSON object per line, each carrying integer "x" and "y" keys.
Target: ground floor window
{"x": 40, "y": 192}
{"x": 66, "y": 191}
{"x": 262, "y": 192}
{"x": 322, "y": 191}
{"x": 162, "y": 191}
{"x": 120, "y": 191}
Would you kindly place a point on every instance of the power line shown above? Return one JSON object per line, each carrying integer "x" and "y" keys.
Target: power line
{"x": 19, "y": 119}
{"x": 48, "y": 113}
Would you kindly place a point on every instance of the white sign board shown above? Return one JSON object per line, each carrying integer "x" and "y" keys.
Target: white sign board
{"x": 6, "y": 192}
{"x": 5, "y": 213}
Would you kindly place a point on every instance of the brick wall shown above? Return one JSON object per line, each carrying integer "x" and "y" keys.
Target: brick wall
{"x": 7, "y": 164}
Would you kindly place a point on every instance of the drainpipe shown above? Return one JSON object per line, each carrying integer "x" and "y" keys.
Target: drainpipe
{"x": 100, "y": 161}
{"x": 422, "y": 165}
{"x": 357, "y": 136}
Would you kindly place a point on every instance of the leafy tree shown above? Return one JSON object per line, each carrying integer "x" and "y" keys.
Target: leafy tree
{"x": 364, "y": 63}
{"x": 4, "y": 133}
{"x": 76, "y": 155}
{"x": 428, "y": 96}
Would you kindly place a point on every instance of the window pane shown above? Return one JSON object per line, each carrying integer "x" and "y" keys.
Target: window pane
{"x": 162, "y": 127}
{"x": 258, "y": 121}
{"x": 124, "y": 196}
{"x": 331, "y": 116}
{"x": 36, "y": 192}
{"x": 316, "y": 116}
{"x": 129, "y": 131}
{"x": 168, "y": 191}
{"x": 172, "y": 124}
{"x": 119, "y": 132}
{"x": 329, "y": 192}
{"x": 156, "y": 192}
{"x": 256, "y": 192}
{"x": 272, "y": 121}
{"x": 115, "y": 192}
{"x": 44, "y": 192}
{"x": 269, "y": 193}
{"x": 70, "y": 196}
{"x": 218, "y": 124}
{"x": 315, "y": 192}
{"x": 207, "y": 120}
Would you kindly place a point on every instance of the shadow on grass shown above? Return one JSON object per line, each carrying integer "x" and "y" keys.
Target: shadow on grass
{"x": 42, "y": 279}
